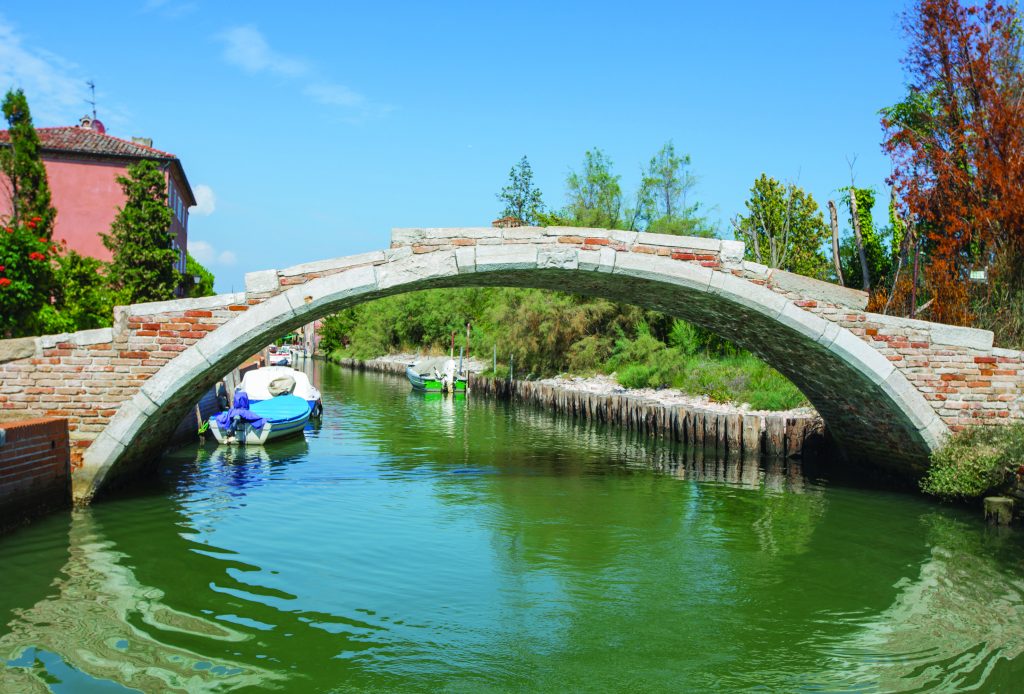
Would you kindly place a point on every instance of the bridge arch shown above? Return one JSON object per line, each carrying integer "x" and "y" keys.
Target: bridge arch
{"x": 873, "y": 410}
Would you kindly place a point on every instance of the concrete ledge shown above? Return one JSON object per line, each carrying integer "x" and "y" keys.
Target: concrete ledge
{"x": 411, "y": 235}
{"x": 176, "y": 305}
{"x": 820, "y": 291}
{"x": 941, "y": 334}
{"x": 82, "y": 338}
{"x": 339, "y": 263}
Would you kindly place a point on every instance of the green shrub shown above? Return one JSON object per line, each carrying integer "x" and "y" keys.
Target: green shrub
{"x": 975, "y": 461}
{"x": 636, "y": 376}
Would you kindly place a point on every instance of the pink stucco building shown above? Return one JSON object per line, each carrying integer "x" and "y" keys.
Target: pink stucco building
{"x": 82, "y": 165}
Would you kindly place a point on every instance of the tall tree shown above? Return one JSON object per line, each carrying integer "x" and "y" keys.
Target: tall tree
{"x": 595, "y": 198}
{"x": 667, "y": 183}
{"x": 957, "y": 146}
{"x": 23, "y": 168}
{"x": 869, "y": 258}
{"x": 521, "y": 198}
{"x": 143, "y": 264}
{"x": 784, "y": 228}
{"x": 26, "y": 251}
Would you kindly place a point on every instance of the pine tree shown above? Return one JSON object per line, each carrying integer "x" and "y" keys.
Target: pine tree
{"x": 25, "y": 172}
{"x": 143, "y": 266}
{"x": 26, "y": 249}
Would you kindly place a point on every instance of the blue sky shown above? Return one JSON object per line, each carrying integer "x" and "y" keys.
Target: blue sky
{"x": 311, "y": 129}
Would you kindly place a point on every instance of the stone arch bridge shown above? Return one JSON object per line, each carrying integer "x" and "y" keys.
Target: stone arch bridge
{"x": 890, "y": 389}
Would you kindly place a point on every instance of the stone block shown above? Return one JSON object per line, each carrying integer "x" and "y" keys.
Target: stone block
{"x": 755, "y": 268}
{"x": 501, "y": 258}
{"x": 416, "y": 269}
{"x": 731, "y": 254}
{"x": 558, "y": 258}
{"x": 465, "y": 259}
{"x": 698, "y": 243}
{"x": 17, "y": 348}
{"x": 596, "y": 261}
{"x": 261, "y": 281}
{"x": 393, "y": 254}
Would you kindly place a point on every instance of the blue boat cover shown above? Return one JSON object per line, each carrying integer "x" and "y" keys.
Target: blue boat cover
{"x": 282, "y": 408}
{"x": 241, "y": 409}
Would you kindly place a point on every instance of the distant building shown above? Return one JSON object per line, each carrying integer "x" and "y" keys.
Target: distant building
{"x": 82, "y": 165}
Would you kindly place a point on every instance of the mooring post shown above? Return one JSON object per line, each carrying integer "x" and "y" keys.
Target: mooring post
{"x": 998, "y": 510}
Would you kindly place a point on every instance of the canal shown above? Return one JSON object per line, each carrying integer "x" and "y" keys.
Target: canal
{"x": 412, "y": 543}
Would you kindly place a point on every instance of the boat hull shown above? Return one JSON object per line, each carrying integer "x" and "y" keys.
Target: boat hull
{"x": 277, "y": 425}
{"x": 429, "y": 384}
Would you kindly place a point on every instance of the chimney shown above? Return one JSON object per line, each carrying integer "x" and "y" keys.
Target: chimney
{"x": 144, "y": 141}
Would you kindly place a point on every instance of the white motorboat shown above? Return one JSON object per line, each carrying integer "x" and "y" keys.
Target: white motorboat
{"x": 271, "y": 381}
{"x": 261, "y": 422}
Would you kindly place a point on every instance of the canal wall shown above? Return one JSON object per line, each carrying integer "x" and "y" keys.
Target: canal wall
{"x": 729, "y": 431}
{"x": 35, "y": 469}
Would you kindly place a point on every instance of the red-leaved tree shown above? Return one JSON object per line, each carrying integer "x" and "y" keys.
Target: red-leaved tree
{"x": 957, "y": 146}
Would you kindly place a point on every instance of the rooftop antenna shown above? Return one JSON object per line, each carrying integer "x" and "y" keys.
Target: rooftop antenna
{"x": 92, "y": 101}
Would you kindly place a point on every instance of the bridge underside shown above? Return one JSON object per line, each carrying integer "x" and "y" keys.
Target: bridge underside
{"x": 872, "y": 411}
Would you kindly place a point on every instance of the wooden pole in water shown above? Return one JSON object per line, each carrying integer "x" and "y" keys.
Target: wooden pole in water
{"x": 452, "y": 355}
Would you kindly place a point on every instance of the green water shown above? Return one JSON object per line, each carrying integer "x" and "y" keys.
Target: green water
{"x": 414, "y": 543}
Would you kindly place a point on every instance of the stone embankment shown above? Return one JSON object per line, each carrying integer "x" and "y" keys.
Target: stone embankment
{"x": 666, "y": 414}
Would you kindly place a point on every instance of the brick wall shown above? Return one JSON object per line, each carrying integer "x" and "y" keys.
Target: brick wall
{"x": 35, "y": 469}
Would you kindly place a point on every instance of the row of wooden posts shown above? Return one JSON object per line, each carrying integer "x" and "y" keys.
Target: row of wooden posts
{"x": 727, "y": 433}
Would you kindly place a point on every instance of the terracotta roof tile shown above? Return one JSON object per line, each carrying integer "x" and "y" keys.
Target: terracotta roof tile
{"x": 89, "y": 141}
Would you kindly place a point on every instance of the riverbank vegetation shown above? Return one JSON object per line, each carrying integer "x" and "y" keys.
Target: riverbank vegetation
{"x": 976, "y": 462}
{"x": 539, "y": 334}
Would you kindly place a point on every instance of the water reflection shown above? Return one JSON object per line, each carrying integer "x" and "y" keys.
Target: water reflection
{"x": 421, "y": 544}
{"x": 106, "y": 625}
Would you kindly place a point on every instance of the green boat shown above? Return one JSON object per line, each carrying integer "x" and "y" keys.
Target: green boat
{"x": 436, "y": 375}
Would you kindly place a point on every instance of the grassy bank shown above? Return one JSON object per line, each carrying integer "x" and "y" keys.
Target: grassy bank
{"x": 548, "y": 333}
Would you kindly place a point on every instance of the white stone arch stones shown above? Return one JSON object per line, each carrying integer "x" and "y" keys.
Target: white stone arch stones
{"x": 871, "y": 408}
